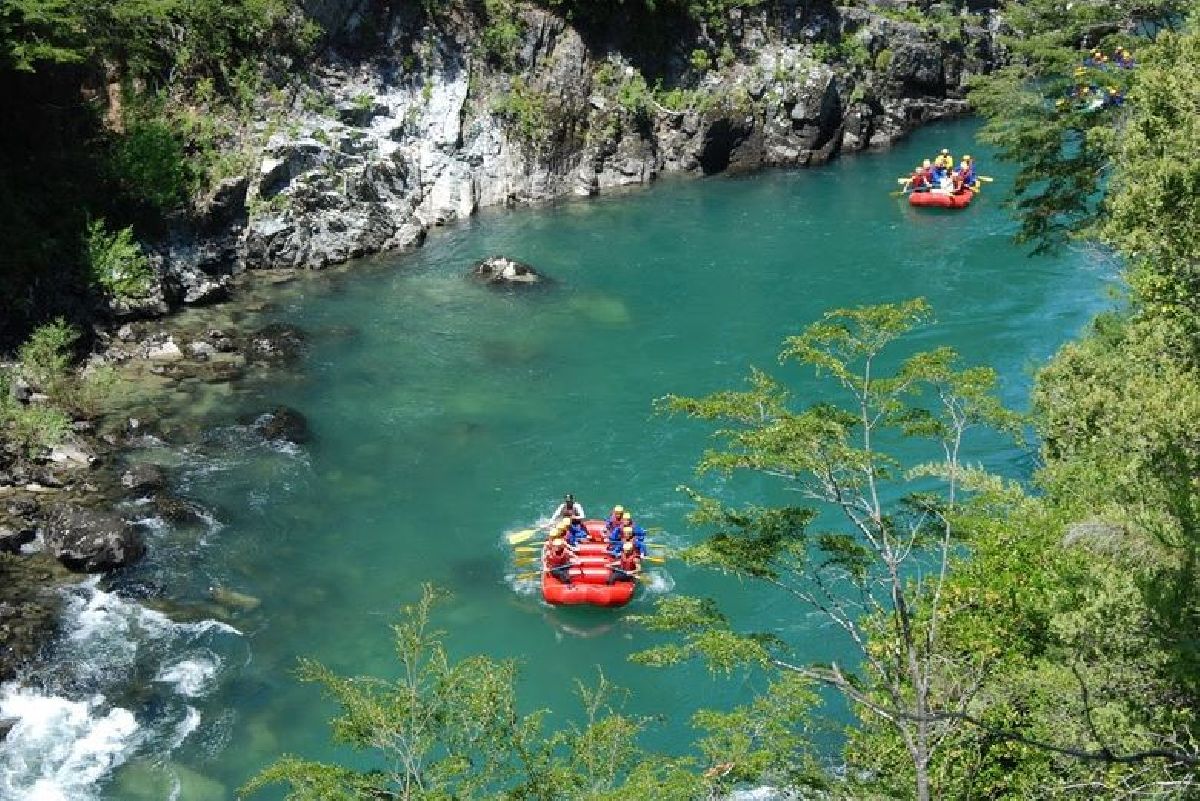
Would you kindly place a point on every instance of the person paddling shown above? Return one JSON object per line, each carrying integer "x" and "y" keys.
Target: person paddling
{"x": 628, "y": 534}
{"x": 917, "y": 182}
{"x": 967, "y": 170}
{"x": 627, "y": 566}
{"x": 576, "y": 530}
{"x": 627, "y": 522}
{"x": 557, "y": 561}
{"x": 614, "y": 519}
{"x": 568, "y": 508}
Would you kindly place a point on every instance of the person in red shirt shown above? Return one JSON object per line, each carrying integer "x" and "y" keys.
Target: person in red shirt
{"x": 557, "y": 560}
{"x": 918, "y": 181}
{"x": 627, "y": 566}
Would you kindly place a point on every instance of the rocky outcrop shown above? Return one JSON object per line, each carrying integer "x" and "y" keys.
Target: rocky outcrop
{"x": 91, "y": 541}
{"x": 416, "y": 124}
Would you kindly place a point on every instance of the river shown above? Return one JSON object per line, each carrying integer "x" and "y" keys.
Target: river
{"x": 444, "y": 413}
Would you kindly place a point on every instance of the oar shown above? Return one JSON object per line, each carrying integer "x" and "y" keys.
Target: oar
{"x": 523, "y": 535}
{"x": 987, "y": 179}
{"x": 535, "y": 573}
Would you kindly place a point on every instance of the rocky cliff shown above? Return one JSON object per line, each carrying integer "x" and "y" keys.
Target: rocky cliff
{"x": 414, "y": 120}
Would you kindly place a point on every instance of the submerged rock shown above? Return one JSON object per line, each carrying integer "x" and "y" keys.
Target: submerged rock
{"x": 277, "y": 342}
{"x": 233, "y": 600}
{"x": 177, "y": 510}
{"x": 92, "y": 541}
{"x": 29, "y": 608}
{"x": 503, "y": 270}
{"x": 283, "y": 423}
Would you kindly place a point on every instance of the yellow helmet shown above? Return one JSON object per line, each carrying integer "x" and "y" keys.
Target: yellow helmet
{"x": 618, "y": 509}
{"x": 945, "y": 152}
{"x": 627, "y": 530}
{"x": 626, "y": 516}
{"x": 966, "y": 158}
{"x": 558, "y": 543}
{"x": 627, "y": 547}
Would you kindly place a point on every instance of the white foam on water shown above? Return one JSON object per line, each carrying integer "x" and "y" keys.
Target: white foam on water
{"x": 190, "y": 722}
{"x": 658, "y": 582}
{"x": 191, "y": 677}
{"x": 59, "y": 749}
{"x": 69, "y": 736}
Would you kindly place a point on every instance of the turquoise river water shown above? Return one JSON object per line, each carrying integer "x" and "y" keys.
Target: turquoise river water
{"x": 444, "y": 413}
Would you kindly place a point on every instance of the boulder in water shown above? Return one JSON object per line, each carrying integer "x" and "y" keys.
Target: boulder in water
{"x": 282, "y": 423}
{"x": 176, "y": 510}
{"x": 502, "y": 270}
{"x": 92, "y": 541}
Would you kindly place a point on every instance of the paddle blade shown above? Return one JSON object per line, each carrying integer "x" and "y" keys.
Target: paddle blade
{"x": 522, "y": 536}
{"x": 987, "y": 179}
{"x": 528, "y": 549}
{"x": 658, "y": 560}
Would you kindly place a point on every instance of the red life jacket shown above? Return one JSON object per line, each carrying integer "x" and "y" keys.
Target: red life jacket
{"x": 558, "y": 559}
{"x": 957, "y": 181}
{"x": 629, "y": 561}
{"x": 919, "y": 179}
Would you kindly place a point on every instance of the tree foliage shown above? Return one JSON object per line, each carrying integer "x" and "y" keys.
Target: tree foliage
{"x": 1063, "y": 148}
{"x": 445, "y": 729}
{"x": 879, "y": 575}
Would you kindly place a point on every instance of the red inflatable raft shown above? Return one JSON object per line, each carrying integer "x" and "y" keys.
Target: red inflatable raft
{"x": 941, "y": 199}
{"x": 589, "y": 579}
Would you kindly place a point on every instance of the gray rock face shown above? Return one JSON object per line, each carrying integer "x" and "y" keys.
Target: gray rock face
{"x": 91, "y": 541}
{"x": 394, "y": 150}
{"x": 505, "y": 271}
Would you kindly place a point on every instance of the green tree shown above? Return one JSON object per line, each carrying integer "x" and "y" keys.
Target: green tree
{"x": 444, "y": 729}
{"x": 1062, "y": 147}
{"x": 881, "y": 578}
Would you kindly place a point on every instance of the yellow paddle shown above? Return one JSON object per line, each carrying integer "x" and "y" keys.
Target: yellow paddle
{"x": 524, "y": 535}
{"x": 987, "y": 179}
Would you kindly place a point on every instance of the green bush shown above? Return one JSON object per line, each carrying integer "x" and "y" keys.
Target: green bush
{"x": 502, "y": 35}
{"x": 524, "y": 109}
{"x": 700, "y": 60}
{"x": 883, "y": 60}
{"x": 45, "y": 358}
{"x": 116, "y": 262}
{"x": 149, "y": 164}
{"x": 35, "y": 429}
